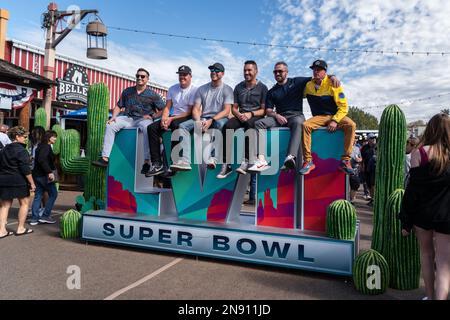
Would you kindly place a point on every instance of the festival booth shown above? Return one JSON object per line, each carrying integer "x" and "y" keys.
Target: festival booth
{"x": 201, "y": 215}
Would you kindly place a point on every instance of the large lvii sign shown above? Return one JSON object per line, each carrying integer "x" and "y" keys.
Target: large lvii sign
{"x": 74, "y": 86}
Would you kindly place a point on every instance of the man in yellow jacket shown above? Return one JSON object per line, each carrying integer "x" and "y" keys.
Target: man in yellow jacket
{"x": 329, "y": 108}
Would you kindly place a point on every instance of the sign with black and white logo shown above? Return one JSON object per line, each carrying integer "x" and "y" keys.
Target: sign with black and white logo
{"x": 74, "y": 86}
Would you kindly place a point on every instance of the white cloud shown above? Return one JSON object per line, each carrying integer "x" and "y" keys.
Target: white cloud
{"x": 161, "y": 63}
{"x": 373, "y": 79}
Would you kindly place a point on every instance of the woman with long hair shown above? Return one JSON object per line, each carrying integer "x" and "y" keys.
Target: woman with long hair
{"x": 16, "y": 181}
{"x": 426, "y": 205}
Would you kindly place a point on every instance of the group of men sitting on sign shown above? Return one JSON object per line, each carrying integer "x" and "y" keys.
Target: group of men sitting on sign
{"x": 250, "y": 106}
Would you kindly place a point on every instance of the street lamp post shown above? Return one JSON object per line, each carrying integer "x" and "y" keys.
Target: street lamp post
{"x": 51, "y": 18}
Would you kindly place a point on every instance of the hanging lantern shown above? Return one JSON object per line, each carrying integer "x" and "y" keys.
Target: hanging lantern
{"x": 96, "y": 40}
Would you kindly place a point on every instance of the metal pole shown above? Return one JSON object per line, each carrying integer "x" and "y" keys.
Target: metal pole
{"x": 49, "y": 61}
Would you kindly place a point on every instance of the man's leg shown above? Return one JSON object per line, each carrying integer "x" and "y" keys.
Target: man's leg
{"x": 183, "y": 163}
{"x": 295, "y": 125}
{"x": 261, "y": 126}
{"x": 143, "y": 124}
{"x": 232, "y": 124}
{"x": 349, "y": 128}
{"x": 308, "y": 127}
{"x": 154, "y": 132}
{"x": 250, "y": 125}
{"x": 110, "y": 133}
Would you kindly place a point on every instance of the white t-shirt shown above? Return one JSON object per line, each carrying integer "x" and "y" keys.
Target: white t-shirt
{"x": 181, "y": 98}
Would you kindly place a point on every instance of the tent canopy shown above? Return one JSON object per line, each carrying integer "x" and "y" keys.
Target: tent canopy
{"x": 80, "y": 114}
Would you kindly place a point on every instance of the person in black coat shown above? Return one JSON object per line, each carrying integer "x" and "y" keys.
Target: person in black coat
{"x": 16, "y": 181}
{"x": 44, "y": 175}
{"x": 426, "y": 205}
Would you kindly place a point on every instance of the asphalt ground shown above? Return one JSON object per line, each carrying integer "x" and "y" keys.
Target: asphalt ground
{"x": 36, "y": 266}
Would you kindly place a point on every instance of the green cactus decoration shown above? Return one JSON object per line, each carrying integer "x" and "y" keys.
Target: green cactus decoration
{"x": 40, "y": 118}
{"x": 403, "y": 254}
{"x": 57, "y": 146}
{"x": 71, "y": 162}
{"x": 341, "y": 220}
{"x": 98, "y": 111}
{"x": 70, "y": 224}
{"x": 389, "y": 174}
{"x": 371, "y": 273}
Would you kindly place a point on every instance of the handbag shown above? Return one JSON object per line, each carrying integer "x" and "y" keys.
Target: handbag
{"x": 55, "y": 174}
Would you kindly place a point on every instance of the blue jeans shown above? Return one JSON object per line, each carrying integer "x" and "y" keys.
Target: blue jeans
{"x": 190, "y": 124}
{"x": 42, "y": 186}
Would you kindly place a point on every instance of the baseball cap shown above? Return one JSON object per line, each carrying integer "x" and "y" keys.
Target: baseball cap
{"x": 184, "y": 69}
{"x": 371, "y": 136}
{"x": 217, "y": 66}
{"x": 319, "y": 63}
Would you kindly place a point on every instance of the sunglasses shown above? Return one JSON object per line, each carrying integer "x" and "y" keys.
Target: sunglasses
{"x": 215, "y": 70}
{"x": 278, "y": 71}
{"x": 141, "y": 76}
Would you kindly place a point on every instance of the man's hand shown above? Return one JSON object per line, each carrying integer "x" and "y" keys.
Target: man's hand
{"x": 280, "y": 119}
{"x": 335, "y": 82}
{"x": 51, "y": 176}
{"x": 332, "y": 126}
{"x": 112, "y": 120}
{"x": 166, "y": 122}
{"x": 405, "y": 233}
{"x": 206, "y": 124}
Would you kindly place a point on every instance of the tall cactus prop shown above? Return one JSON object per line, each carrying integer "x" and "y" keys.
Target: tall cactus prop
{"x": 371, "y": 273}
{"x": 71, "y": 162}
{"x": 403, "y": 252}
{"x": 98, "y": 111}
{"x": 57, "y": 145}
{"x": 341, "y": 220}
{"x": 389, "y": 174}
{"x": 40, "y": 118}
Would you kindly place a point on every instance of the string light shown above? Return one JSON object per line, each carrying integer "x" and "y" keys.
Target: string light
{"x": 409, "y": 101}
{"x": 382, "y": 52}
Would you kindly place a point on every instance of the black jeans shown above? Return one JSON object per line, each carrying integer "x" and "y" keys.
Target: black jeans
{"x": 235, "y": 123}
{"x": 155, "y": 132}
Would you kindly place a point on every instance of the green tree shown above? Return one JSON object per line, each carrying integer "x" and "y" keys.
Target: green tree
{"x": 363, "y": 120}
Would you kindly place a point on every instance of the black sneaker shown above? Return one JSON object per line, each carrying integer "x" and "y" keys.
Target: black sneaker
{"x": 155, "y": 170}
{"x": 225, "y": 171}
{"x": 289, "y": 163}
{"x": 145, "y": 168}
{"x": 48, "y": 220}
{"x": 100, "y": 163}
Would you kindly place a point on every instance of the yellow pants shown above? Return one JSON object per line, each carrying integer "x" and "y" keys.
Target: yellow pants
{"x": 346, "y": 124}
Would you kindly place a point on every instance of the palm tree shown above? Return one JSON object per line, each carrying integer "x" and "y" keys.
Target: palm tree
{"x": 446, "y": 111}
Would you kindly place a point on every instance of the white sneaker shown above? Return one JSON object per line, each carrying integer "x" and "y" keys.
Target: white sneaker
{"x": 259, "y": 166}
{"x": 243, "y": 168}
{"x": 181, "y": 165}
{"x": 212, "y": 163}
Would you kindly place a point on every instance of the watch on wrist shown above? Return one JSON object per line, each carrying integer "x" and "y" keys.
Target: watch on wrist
{"x": 253, "y": 114}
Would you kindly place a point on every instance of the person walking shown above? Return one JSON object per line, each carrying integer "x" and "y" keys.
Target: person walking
{"x": 16, "y": 181}
{"x": 426, "y": 205}
{"x": 45, "y": 177}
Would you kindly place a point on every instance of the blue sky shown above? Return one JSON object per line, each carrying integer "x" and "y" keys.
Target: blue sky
{"x": 369, "y": 80}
